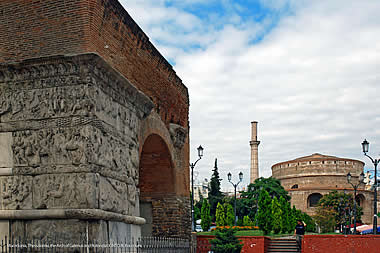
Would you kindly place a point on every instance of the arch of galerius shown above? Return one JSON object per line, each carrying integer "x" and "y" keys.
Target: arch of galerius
{"x": 93, "y": 126}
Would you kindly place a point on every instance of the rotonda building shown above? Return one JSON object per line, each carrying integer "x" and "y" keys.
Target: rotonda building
{"x": 308, "y": 178}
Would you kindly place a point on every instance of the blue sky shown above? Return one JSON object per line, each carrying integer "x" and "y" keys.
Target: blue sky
{"x": 307, "y": 71}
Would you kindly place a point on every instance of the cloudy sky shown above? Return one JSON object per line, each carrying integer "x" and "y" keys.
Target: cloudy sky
{"x": 307, "y": 71}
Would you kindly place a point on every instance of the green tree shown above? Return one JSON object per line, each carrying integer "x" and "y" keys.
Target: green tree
{"x": 340, "y": 203}
{"x": 215, "y": 195}
{"x": 247, "y": 221}
{"x": 249, "y": 199}
{"x": 309, "y": 221}
{"x": 230, "y": 219}
{"x": 197, "y": 213}
{"x": 292, "y": 219}
{"x": 226, "y": 242}
{"x": 206, "y": 218}
{"x": 277, "y": 216}
{"x": 265, "y": 213}
{"x": 220, "y": 215}
{"x": 325, "y": 218}
{"x": 286, "y": 216}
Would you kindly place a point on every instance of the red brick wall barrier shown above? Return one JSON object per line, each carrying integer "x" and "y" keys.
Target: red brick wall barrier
{"x": 257, "y": 244}
{"x": 341, "y": 244}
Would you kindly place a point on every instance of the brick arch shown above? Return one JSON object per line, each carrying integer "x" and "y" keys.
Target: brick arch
{"x": 163, "y": 181}
{"x": 156, "y": 175}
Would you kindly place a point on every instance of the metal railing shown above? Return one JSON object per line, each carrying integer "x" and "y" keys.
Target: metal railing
{"x": 142, "y": 245}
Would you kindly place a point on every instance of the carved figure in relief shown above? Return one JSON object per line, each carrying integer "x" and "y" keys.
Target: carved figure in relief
{"x": 56, "y": 187}
{"x": 15, "y": 191}
{"x": 73, "y": 147}
{"x": 5, "y": 106}
{"x": 34, "y": 102}
{"x": 17, "y": 98}
{"x": 45, "y": 137}
{"x": 73, "y": 193}
{"x": 19, "y": 151}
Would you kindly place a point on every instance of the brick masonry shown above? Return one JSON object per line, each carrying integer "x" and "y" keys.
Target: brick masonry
{"x": 310, "y": 243}
{"x": 340, "y": 243}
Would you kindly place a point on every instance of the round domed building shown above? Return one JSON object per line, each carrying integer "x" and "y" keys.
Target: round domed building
{"x": 308, "y": 178}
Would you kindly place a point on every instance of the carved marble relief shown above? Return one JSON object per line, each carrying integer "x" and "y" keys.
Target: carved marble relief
{"x": 46, "y": 103}
{"x": 123, "y": 117}
{"x": 75, "y": 146}
{"x": 48, "y": 146}
{"x": 40, "y": 76}
{"x": 65, "y": 191}
{"x": 16, "y": 192}
{"x": 117, "y": 196}
{"x": 178, "y": 134}
{"x": 66, "y": 231}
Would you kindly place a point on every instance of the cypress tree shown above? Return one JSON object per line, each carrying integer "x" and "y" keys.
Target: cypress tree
{"x": 220, "y": 215}
{"x": 205, "y": 216}
{"x": 286, "y": 216}
{"x": 215, "y": 195}
{"x": 264, "y": 215}
{"x": 225, "y": 241}
{"x": 247, "y": 221}
{"x": 277, "y": 216}
{"x": 230, "y": 219}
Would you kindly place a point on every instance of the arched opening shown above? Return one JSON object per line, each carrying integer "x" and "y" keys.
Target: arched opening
{"x": 360, "y": 200}
{"x": 295, "y": 186}
{"x": 313, "y": 199}
{"x": 156, "y": 180}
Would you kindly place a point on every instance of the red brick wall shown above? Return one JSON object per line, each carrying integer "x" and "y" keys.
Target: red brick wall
{"x": 257, "y": 244}
{"x": 341, "y": 243}
{"x": 36, "y": 28}
{"x": 156, "y": 168}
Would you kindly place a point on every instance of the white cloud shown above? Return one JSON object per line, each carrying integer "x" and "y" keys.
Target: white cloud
{"x": 311, "y": 82}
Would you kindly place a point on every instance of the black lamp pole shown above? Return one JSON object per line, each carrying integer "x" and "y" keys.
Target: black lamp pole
{"x": 192, "y": 165}
{"x": 365, "y": 145}
{"x": 345, "y": 213}
{"x": 355, "y": 186}
{"x": 235, "y": 185}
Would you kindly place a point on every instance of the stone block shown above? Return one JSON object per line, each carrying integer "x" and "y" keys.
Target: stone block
{"x": 6, "y": 155}
{"x": 77, "y": 190}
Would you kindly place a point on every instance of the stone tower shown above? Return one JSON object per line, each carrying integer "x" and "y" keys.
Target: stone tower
{"x": 254, "y": 172}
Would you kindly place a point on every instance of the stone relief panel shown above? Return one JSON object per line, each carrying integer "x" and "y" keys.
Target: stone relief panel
{"x": 63, "y": 230}
{"x": 49, "y": 146}
{"x": 65, "y": 191}
{"x": 117, "y": 196}
{"x": 45, "y": 103}
{"x": 123, "y": 117}
{"x": 76, "y": 146}
{"x": 40, "y": 76}
{"x": 79, "y": 101}
{"x": 16, "y": 192}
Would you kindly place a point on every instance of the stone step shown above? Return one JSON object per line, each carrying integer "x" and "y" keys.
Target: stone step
{"x": 282, "y": 246}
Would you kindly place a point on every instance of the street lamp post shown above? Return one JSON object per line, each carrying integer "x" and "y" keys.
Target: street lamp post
{"x": 355, "y": 186}
{"x": 192, "y": 165}
{"x": 345, "y": 213}
{"x": 365, "y": 145}
{"x": 235, "y": 185}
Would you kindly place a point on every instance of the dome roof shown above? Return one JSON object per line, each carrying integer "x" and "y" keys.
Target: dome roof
{"x": 317, "y": 157}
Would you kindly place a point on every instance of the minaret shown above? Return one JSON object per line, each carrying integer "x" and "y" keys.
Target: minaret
{"x": 254, "y": 153}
